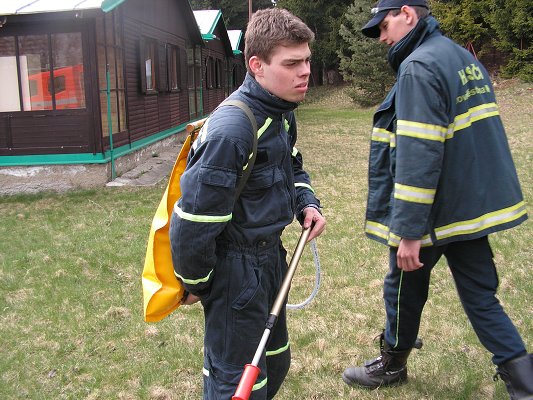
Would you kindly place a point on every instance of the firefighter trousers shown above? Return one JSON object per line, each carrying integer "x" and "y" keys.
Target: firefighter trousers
{"x": 245, "y": 284}
{"x": 473, "y": 270}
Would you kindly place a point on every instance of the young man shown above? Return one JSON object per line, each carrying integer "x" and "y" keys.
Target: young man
{"x": 441, "y": 178}
{"x": 228, "y": 251}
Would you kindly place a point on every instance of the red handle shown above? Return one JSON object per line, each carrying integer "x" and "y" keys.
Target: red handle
{"x": 247, "y": 382}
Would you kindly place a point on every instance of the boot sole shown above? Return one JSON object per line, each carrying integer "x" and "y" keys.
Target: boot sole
{"x": 349, "y": 382}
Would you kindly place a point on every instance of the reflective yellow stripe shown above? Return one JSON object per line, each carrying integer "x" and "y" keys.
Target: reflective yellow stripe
{"x": 421, "y": 131}
{"x": 264, "y": 127}
{"x": 382, "y": 231}
{"x": 377, "y": 229}
{"x": 249, "y": 158}
{"x": 381, "y": 135}
{"x": 294, "y": 151}
{"x": 201, "y": 218}
{"x": 483, "y": 222}
{"x": 260, "y": 384}
{"x": 257, "y": 386}
{"x": 194, "y": 281}
{"x": 384, "y": 136}
{"x": 414, "y": 194}
{"x": 394, "y": 240}
{"x": 259, "y": 133}
{"x": 305, "y": 185}
{"x": 475, "y": 114}
{"x": 278, "y": 351}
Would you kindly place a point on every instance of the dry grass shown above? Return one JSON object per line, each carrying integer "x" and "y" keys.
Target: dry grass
{"x": 70, "y": 298}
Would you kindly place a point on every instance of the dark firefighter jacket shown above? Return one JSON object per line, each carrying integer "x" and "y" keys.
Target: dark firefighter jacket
{"x": 440, "y": 169}
{"x": 277, "y": 189}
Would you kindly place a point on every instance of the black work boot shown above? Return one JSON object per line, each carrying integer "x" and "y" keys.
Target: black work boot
{"x": 518, "y": 377}
{"x": 390, "y": 368}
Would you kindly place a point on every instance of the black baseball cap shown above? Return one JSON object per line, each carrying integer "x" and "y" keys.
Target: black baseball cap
{"x": 371, "y": 29}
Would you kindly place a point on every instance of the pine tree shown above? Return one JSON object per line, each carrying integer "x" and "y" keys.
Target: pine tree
{"x": 363, "y": 61}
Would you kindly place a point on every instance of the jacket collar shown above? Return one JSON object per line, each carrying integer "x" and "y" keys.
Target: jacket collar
{"x": 401, "y": 50}
{"x": 264, "y": 100}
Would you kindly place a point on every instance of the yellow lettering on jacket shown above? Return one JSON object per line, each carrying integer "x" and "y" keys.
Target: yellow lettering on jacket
{"x": 470, "y": 73}
{"x": 472, "y": 92}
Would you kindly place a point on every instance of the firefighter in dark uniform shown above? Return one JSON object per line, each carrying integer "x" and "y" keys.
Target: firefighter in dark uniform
{"x": 228, "y": 251}
{"x": 441, "y": 179}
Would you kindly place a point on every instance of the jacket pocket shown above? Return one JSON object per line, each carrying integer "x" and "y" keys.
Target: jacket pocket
{"x": 264, "y": 200}
{"x": 214, "y": 189}
{"x": 250, "y": 306}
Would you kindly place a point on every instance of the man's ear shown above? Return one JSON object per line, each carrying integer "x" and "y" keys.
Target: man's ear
{"x": 410, "y": 15}
{"x": 256, "y": 65}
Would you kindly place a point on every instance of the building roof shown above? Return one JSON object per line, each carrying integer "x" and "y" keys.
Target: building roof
{"x": 12, "y": 7}
{"x": 235, "y": 37}
{"x": 207, "y": 21}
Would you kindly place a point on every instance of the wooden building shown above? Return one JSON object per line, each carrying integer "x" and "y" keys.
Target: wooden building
{"x": 238, "y": 65}
{"x": 217, "y": 56}
{"x": 92, "y": 81}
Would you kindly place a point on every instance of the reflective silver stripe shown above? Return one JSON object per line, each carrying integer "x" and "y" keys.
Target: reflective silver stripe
{"x": 205, "y": 371}
{"x": 394, "y": 240}
{"x": 474, "y": 114}
{"x": 421, "y": 131}
{"x": 305, "y": 185}
{"x": 194, "y": 281}
{"x": 286, "y": 124}
{"x": 382, "y": 231}
{"x": 377, "y": 229}
{"x": 381, "y": 135}
{"x": 277, "y": 351}
{"x": 414, "y": 194}
{"x": 483, "y": 222}
{"x": 201, "y": 218}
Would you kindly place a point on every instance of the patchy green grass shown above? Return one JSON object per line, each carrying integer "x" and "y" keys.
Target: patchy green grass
{"x": 71, "y": 322}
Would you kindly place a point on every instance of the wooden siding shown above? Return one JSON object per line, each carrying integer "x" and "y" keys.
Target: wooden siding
{"x": 164, "y": 22}
{"x": 215, "y": 50}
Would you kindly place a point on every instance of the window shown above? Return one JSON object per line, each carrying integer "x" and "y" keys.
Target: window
{"x": 9, "y": 94}
{"x": 174, "y": 77}
{"x": 194, "y": 74}
{"x": 59, "y": 84}
{"x": 34, "y": 61}
{"x": 149, "y": 65}
{"x": 218, "y": 73}
{"x": 42, "y": 72}
{"x": 110, "y": 60}
{"x": 68, "y": 75}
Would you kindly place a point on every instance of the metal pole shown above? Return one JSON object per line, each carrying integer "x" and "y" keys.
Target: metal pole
{"x": 110, "y": 124}
{"x": 251, "y": 371}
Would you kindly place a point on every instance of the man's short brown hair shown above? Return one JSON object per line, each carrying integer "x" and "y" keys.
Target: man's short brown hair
{"x": 272, "y": 27}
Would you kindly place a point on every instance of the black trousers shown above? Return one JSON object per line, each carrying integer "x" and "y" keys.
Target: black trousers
{"x": 473, "y": 270}
{"x": 245, "y": 284}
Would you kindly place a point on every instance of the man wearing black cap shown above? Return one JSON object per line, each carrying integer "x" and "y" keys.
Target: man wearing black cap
{"x": 441, "y": 179}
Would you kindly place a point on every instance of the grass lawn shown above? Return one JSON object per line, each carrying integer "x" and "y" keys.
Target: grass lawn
{"x": 71, "y": 323}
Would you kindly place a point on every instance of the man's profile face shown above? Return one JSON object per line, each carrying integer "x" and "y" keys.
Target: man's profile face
{"x": 393, "y": 28}
{"x": 287, "y": 74}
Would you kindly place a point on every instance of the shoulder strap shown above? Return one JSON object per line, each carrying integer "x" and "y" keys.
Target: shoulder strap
{"x": 246, "y": 173}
